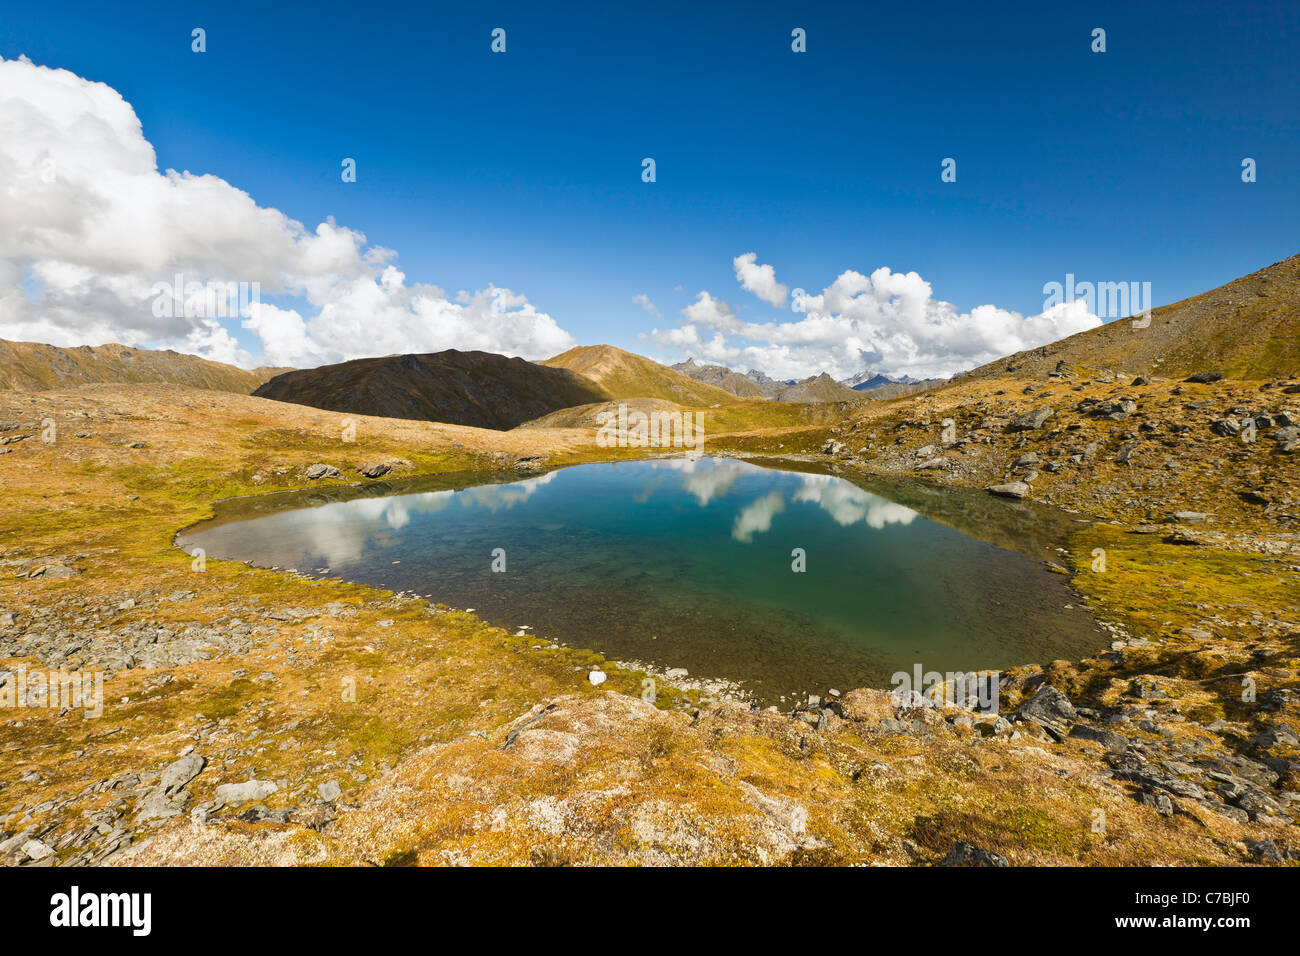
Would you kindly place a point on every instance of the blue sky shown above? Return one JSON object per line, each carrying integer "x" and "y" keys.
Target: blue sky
{"x": 523, "y": 169}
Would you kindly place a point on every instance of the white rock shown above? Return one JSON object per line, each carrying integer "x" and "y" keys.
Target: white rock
{"x": 243, "y": 792}
{"x": 37, "y": 850}
{"x": 597, "y": 677}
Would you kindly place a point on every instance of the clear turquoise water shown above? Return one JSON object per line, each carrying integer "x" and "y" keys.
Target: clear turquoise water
{"x": 689, "y": 564}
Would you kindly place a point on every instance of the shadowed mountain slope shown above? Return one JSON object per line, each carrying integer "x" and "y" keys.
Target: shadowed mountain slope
{"x": 459, "y": 388}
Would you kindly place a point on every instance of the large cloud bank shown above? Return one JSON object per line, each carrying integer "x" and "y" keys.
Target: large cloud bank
{"x": 90, "y": 228}
{"x": 887, "y": 321}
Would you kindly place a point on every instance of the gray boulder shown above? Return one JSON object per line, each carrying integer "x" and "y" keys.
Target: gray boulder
{"x": 178, "y": 774}
{"x": 243, "y": 792}
{"x": 1031, "y": 420}
{"x": 964, "y": 854}
{"x": 1012, "y": 489}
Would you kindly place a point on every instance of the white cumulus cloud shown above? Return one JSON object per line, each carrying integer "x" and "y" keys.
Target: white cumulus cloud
{"x": 888, "y": 322}
{"x": 760, "y": 280}
{"x": 89, "y": 228}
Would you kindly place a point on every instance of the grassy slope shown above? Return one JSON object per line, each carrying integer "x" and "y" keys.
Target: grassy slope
{"x": 625, "y": 375}
{"x": 599, "y": 780}
{"x": 1247, "y": 329}
{"x": 34, "y": 366}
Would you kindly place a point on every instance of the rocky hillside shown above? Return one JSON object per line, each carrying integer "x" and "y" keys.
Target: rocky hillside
{"x": 722, "y": 377}
{"x": 459, "y": 388}
{"x": 33, "y": 366}
{"x": 224, "y": 740}
{"x": 815, "y": 388}
{"x": 625, "y": 375}
{"x": 878, "y": 386}
{"x": 1247, "y": 329}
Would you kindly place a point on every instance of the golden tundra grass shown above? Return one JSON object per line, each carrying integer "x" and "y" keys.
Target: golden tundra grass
{"x": 421, "y": 753}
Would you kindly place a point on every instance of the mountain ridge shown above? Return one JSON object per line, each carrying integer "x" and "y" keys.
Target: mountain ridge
{"x": 1248, "y": 328}
{"x": 475, "y": 388}
{"x": 755, "y": 384}
{"x": 625, "y": 375}
{"x": 36, "y": 366}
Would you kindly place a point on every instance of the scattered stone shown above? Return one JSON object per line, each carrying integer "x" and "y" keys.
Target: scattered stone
{"x": 964, "y": 854}
{"x": 1116, "y": 743}
{"x": 1031, "y": 420}
{"x": 1263, "y": 850}
{"x": 1050, "y": 708}
{"x": 329, "y": 791}
{"x": 243, "y": 792}
{"x": 1204, "y": 378}
{"x": 51, "y": 572}
{"x": 36, "y": 850}
{"x": 1012, "y": 489}
{"x": 597, "y": 677}
{"x": 1147, "y": 690}
{"x": 178, "y": 774}
{"x": 321, "y": 471}
{"x": 867, "y": 704}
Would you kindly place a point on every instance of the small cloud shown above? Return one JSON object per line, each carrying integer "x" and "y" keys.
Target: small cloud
{"x": 760, "y": 280}
{"x": 643, "y": 300}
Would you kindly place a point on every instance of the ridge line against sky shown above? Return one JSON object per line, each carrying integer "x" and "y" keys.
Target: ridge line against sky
{"x": 524, "y": 183}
